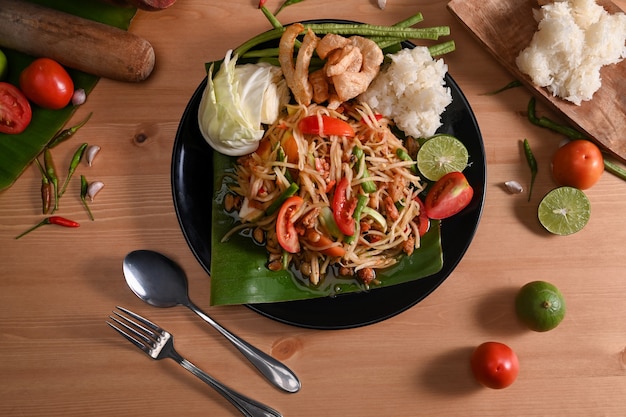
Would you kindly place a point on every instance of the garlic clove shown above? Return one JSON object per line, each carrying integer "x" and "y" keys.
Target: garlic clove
{"x": 94, "y": 188}
{"x": 382, "y": 4}
{"x": 514, "y": 187}
{"x": 91, "y": 153}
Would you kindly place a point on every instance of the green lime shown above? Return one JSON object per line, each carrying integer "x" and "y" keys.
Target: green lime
{"x": 4, "y": 66}
{"x": 564, "y": 210}
{"x": 540, "y": 306}
{"x": 440, "y": 155}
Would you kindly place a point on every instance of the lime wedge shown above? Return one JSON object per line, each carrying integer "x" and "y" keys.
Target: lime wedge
{"x": 440, "y": 155}
{"x": 564, "y": 210}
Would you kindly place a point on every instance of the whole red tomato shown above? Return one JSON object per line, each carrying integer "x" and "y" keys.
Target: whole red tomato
{"x": 578, "y": 164}
{"x": 448, "y": 196}
{"x": 15, "y": 111}
{"x": 46, "y": 83}
{"x": 494, "y": 365}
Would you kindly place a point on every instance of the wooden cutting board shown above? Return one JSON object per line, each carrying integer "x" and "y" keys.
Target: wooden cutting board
{"x": 505, "y": 27}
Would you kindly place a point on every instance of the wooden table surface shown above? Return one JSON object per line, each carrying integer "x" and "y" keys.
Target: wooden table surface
{"x": 57, "y": 286}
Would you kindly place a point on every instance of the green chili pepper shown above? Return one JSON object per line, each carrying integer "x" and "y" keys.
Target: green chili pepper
{"x": 84, "y": 185}
{"x": 512, "y": 84}
{"x": 288, "y": 3}
{"x": 52, "y": 176}
{"x": 550, "y": 124}
{"x": 65, "y": 134}
{"x": 532, "y": 164}
{"x": 46, "y": 189}
{"x": 78, "y": 156}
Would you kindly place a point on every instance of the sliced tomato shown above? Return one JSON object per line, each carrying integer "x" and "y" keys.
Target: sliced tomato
{"x": 448, "y": 196}
{"x": 15, "y": 111}
{"x": 343, "y": 208}
{"x": 423, "y": 223}
{"x": 310, "y": 125}
{"x": 285, "y": 229}
{"x": 318, "y": 240}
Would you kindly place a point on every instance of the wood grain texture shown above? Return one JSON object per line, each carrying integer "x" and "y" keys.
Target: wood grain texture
{"x": 505, "y": 29}
{"x": 57, "y": 286}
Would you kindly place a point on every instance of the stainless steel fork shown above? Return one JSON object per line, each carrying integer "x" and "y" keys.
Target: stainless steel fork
{"x": 159, "y": 344}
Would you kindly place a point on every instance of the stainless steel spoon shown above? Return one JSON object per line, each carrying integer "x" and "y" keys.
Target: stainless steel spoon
{"x": 161, "y": 282}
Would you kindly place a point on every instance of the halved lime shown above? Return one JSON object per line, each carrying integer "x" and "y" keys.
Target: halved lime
{"x": 540, "y": 306}
{"x": 440, "y": 155}
{"x": 564, "y": 210}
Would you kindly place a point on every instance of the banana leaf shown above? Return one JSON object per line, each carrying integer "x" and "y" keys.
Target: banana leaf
{"x": 239, "y": 273}
{"x": 18, "y": 151}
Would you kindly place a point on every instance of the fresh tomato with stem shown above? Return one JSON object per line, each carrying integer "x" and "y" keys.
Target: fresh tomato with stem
{"x": 285, "y": 229}
{"x": 448, "y": 196}
{"x": 494, "y": 365}
{"x": 46, "y": 83}
{"x": 310, "y": 125}
{"x": 15, "y": 111}
{"x": 578, "y": 164}
{"x": 343, "y": 208}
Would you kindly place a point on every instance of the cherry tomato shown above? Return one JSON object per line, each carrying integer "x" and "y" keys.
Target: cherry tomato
{"x": 15, "y": 111}
{"x": 494, "y": 365}
{"x": 330, "y": 126}
{"x": 344, "y": 208}
{"x": 578, "y": 164}
{"x": 318, "y": 240}
{"x": 449, "y": 195}
{"x": 46, "y": 83}
{"x": 285, "y": 230}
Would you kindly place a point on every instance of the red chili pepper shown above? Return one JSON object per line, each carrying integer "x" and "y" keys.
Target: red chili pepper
{"x": 58, "y": 220}
{"x": 262, "y": 3}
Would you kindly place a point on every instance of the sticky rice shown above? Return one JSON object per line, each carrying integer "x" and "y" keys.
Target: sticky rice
{"x": 411, "y": 90}
{"x": 574, "y": 40}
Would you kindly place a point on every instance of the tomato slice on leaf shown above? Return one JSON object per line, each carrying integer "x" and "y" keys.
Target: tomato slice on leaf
{"x": 15, "y": 111}
{"x": 343, "y": 208}
{"x": 448, "y": 196}
{"x": 310, "y": 125}
{"x": 285, "y": 229}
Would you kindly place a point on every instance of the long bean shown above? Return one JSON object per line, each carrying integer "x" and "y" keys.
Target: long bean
{"x": 350, "y": 29}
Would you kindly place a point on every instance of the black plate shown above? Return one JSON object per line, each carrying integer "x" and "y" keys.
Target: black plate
{"x": 192, "y": 189}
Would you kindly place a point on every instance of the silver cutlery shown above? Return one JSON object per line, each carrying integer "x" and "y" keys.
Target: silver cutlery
{"x": 161, "y": 282}
{"x": 159, "y": 344}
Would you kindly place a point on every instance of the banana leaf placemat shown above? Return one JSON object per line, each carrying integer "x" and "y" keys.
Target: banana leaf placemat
{"x": 18, "y": 151}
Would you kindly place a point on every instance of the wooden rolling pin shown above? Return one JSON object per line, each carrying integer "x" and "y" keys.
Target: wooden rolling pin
{"x": 83, "y": 44}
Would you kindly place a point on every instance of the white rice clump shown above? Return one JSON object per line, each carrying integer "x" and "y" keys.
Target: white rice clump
{"x": 411, "y": 91}
{"x": 574, "y": 39}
